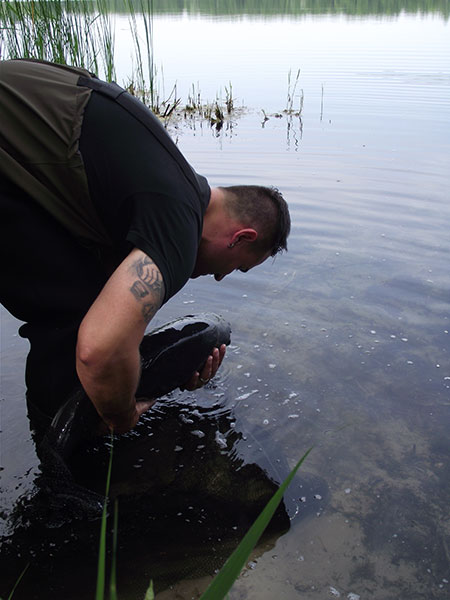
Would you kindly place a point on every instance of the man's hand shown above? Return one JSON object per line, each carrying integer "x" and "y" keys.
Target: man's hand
{"x": 128, "y": 420}
{"x": 213, "y": 362}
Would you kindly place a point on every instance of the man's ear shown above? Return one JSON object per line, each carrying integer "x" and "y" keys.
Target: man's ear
{"x": 244, "y": 235}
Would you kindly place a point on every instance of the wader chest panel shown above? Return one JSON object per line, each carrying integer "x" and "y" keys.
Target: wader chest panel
{"x": 41, "y": 109}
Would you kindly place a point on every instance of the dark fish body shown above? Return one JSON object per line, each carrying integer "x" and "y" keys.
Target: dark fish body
{"x": 169, "y": 354}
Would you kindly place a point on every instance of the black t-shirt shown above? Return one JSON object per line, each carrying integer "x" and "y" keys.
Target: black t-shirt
{"x": 141, "y": 191}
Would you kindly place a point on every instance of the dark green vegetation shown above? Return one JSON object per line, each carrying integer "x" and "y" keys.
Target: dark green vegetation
{"x": 232, "y": 8}
{"x": 79, "y": 34}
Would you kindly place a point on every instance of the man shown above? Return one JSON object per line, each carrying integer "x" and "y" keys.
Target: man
{"x": 103, "y": 221}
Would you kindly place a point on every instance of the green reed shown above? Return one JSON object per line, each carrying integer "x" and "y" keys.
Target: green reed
{"x": 17, "y": 582}
{"x": 80, "y": 34}
{"x": 100, "y": 590}
{"x": 292, "y": 87}
{"x": 224, "y": 580}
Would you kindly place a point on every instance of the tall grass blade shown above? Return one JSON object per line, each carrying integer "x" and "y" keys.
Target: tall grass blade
{"x": 222, "y": 583}
{"x": 147, "y": 16}
{"x": 77, "y": 33}
{"x": 150, "y": 595}
{"x": 113, "y": 579}
{"x": 291, "y": 92}
{"x": 19, "y": 579}
{"x": 100, "y": 591}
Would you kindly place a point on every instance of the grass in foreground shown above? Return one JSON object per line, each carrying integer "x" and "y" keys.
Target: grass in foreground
{"x": 226, "y": 577}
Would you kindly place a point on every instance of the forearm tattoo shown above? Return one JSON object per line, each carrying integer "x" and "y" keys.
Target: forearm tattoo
{"x": 148, "y": 289}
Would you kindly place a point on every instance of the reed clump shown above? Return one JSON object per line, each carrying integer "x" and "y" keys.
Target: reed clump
{"x": 292, "y": 88}
{"x": 79, "y": 34}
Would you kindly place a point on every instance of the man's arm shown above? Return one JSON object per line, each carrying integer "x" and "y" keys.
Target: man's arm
{"x": 107, "y": 355}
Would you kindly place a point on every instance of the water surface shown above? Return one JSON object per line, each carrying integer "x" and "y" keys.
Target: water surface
{"x": 343, "y": 343}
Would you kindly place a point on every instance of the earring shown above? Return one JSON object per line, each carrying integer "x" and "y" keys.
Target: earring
{"x": 231, "y": 245}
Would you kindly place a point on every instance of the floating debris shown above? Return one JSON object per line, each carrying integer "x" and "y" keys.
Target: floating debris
{"x": 184, "y": 419}
{"x": 198, "y": 433}
{"x": 220, "y": 440}
{"x": 247, "y": 395}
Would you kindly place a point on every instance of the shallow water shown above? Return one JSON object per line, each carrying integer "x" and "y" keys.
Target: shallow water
{"x": 343, "y": 343}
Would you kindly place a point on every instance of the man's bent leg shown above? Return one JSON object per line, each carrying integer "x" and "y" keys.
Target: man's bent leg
{"x": 49, "y": 281}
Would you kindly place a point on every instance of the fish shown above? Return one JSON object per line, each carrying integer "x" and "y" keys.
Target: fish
{"x": 170, "y": 354}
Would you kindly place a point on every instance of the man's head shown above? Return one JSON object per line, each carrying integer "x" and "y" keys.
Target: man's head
{"x": 242, "y": 227}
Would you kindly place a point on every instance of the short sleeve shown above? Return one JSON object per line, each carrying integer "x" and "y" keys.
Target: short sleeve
{"x": 168, "y": 230}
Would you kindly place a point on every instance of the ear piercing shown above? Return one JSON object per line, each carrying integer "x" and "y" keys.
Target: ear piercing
{"x": 231, "y": 245}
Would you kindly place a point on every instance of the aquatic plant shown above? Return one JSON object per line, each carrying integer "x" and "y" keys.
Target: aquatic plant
{"x": 291, "y": 96}
{"x": 231, "y": 570}
{"x": 216, "y": 113}
{"x": 194, "y": 101}
{"x": 321, "y": 105}
{"x": 100, "y": 590}
{"x": 81, "y": 35}
{"x": 229, "y": 103}
{"x": 138, "y": 85}
{"x": 17, "y": 582}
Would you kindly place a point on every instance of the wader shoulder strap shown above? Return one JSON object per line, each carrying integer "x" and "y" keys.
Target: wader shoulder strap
{"x": 144, "y": 115}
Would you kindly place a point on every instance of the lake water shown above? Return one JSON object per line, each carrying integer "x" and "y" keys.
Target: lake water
{"x": 343, "y": 343}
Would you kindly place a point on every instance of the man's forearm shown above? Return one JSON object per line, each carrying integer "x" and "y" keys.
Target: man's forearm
{"x": 107, "y": 354}
{"x": 111, "y": 386}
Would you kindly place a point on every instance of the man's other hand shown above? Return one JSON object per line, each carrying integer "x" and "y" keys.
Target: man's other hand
{"x": 208, "y": 371}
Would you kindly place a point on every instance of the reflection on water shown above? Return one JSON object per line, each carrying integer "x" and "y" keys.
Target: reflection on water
{"x": 281, "y": 7}
{"x": 344, "y": 342}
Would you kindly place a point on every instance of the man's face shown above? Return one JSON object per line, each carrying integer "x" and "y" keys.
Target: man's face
{"x": 220, "y": 260}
